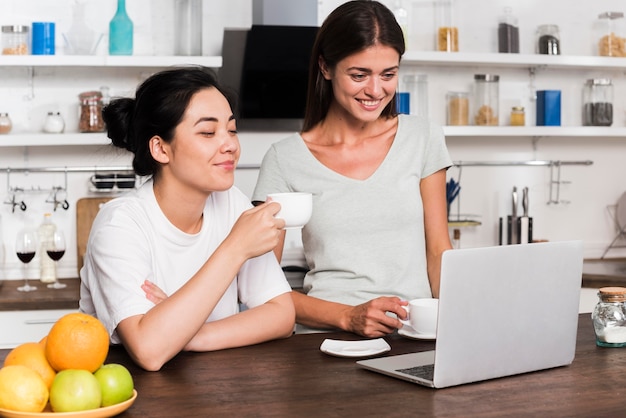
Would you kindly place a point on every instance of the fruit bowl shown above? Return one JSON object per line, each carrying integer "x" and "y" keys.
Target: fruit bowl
{"x": 105, "y": 412}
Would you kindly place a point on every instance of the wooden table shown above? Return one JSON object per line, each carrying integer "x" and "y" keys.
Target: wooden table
{"x": 42, "y": 298}
{"x": 292, "y": 378}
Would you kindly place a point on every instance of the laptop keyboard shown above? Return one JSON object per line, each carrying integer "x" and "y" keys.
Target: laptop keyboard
{"x": 425, "y": 372}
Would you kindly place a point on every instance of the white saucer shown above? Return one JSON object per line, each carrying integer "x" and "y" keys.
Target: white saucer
{"x": 363, "y": 348}
{"x": 409, "y": 332}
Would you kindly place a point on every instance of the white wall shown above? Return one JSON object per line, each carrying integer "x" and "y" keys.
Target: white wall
{"x": 485, "y": 191}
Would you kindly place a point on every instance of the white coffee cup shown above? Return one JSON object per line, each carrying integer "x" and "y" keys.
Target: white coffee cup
{"x": 295, "y": 208}
{"x": 423, "y": 315}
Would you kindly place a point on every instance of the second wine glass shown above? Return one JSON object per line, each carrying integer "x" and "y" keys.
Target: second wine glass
{"x": 55, "y": 249}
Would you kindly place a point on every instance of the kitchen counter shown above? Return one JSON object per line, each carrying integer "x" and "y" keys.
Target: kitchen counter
{"x": 42, "y": 298}
{"x": 292, "y": 377}
{"x": 604, "y": 272}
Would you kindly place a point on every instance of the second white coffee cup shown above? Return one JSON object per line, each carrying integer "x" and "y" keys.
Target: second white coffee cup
{"x": 423, "y": 315}
{"x": 295, "y": 208}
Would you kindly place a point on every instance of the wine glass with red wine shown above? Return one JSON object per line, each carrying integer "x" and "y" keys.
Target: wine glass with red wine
{"x": 25, "y": 248}
{"x": 55, "y": 250}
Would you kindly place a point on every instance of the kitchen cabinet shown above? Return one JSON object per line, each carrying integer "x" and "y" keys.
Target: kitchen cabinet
{"x": 17, "y": 327}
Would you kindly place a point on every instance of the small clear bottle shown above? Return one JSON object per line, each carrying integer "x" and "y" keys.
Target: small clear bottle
{"x": 447, "y": 32}
{"x": 609, "y": 317}
{"x": 486, "y": 99}
{"x": 612, "y": 30}
{"x": 5, "y": 123}
{"x": 458, "y": 108}
{"x": 598, "y": 102}
{"x": 15, "y": 40}
{"x": 508, "y": 32}
{"x": 548, "y": 40}
{"x": 518, "y": 116}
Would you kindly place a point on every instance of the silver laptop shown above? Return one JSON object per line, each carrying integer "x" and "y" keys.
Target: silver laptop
{"x": 503, "y": 310}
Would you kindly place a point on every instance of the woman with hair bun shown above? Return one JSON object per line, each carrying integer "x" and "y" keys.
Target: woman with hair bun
{"x": 168, "y": 264}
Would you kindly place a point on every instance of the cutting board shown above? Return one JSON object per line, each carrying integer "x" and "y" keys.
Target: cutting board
{"x": 86, "y": 210}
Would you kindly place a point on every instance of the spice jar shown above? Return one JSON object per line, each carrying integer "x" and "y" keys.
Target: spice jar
{"x": 54, "y": 123}
{"x": 518, "y": 116}
{"x": 447, "y": 32}
{"x": 611, "y": 41}
{"x": 486, "y": 99}
{"x": 5, "y": 123}
{"x": 90, "y": 112}
{"x": 458, "y": 108}
{"x": 548, "y": 40}
{"x": 15, "y": 40}
{"x": 598, "y": 102}
{"x": 609, "y": 317}
{"x": 508, "y": 32}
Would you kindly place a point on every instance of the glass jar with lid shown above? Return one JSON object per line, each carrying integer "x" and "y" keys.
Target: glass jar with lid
{"x": 609, "y": 317}
{"x": 518, "y": 116}
{"x": 5, "y": 123}
{"x": 598, "y": 102}
{"x": 15, "y": 40}
{"x": 458, "y": 108}
{"x": 611, "y": 36}
{"x": 486, "y": 99}
{"x": 548, "y": 40}
{"x": 447, "y": 31}
{"x": 90, "y": 112}
{"x": 508, "y": 32}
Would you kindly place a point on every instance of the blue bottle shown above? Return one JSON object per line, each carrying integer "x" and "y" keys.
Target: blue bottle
{"x": 121, "y": 32}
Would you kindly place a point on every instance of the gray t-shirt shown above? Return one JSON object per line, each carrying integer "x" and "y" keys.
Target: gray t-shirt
{"x": 365, "y": 238}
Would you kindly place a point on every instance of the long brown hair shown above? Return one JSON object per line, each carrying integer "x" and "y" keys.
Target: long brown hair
{"x": 350, "y": 28}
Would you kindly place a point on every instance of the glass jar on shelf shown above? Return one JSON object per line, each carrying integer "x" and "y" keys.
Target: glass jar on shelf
{"x": 612, "y": 33}
{"x": 486, "y": 99}
{"x": 5, "y": 123}
{"x": 458, "y": 108}
{"x": 447, "y": 31}
{"x": 518, "y": 116}
{"x": 90, "y": 119}
{"x": 548, "y": 40}
{"x": 508, "y": 32}
{"x": 15, "y": 40}
{"x": 609, "y": 317}
{"x": 598, "y": 102}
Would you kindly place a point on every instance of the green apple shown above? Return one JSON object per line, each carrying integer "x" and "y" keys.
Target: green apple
{"x": 116, "y": 383}
{"x": 74, "y": 390}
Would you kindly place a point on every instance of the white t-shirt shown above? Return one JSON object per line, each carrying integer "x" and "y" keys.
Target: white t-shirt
{"x": 365, "y": 238}
{"x": 131, "y": 240}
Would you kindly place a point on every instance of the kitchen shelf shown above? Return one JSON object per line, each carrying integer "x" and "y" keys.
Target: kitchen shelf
{"x": 535, "y": 131}
{"x": 42, "y": 140}
{"x": 465, "y": 59}
{"x": 107, "y": 61}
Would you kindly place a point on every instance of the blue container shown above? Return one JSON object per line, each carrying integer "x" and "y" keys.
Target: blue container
{"x": 42, "y": 38}
{"x": 549, "y": 108}
{"x": 121, "y": 32}
{"x": 403, "y": 103}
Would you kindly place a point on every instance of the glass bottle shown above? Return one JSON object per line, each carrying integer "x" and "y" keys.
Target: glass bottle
{"x": 548, "y": 40}
{"x": 188, "y": 33}
{"x": 609, "y": 317}
{"x": 508, "y": 32}
{"x": 447, "y": 32}
{"x": 611, "y": 42}
{"x": 121, "y": 32}
{"x": 416, "y": 86}
{"x": 45, "y": 234}
{"x": 598, "y": 102}
{"x": 518, "y": 116}
{"x": 15, "y": 40}
{"x": 5, "y": 123}
{"x": 54, "y": 123}
{"x": 486, "y": 99}
{"x": 90, "y": 119}
{"x": 458, "y": 108}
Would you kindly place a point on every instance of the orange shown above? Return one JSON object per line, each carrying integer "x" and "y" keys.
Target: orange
{"x": 32, "y": 355}
{"x": 77, "y": 341}
{"x": 22, "y": 389}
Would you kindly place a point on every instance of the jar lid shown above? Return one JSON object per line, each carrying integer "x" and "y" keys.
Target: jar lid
{"x": 612, "y": 291}
{"x": 518, "y": 108}
{"x": 15, "y": 29}
{"x": 486, "y": 77}
{"x": 599, "y": 82}
{"x": 457, "y": 94}
{"x": 611, "y": 15}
